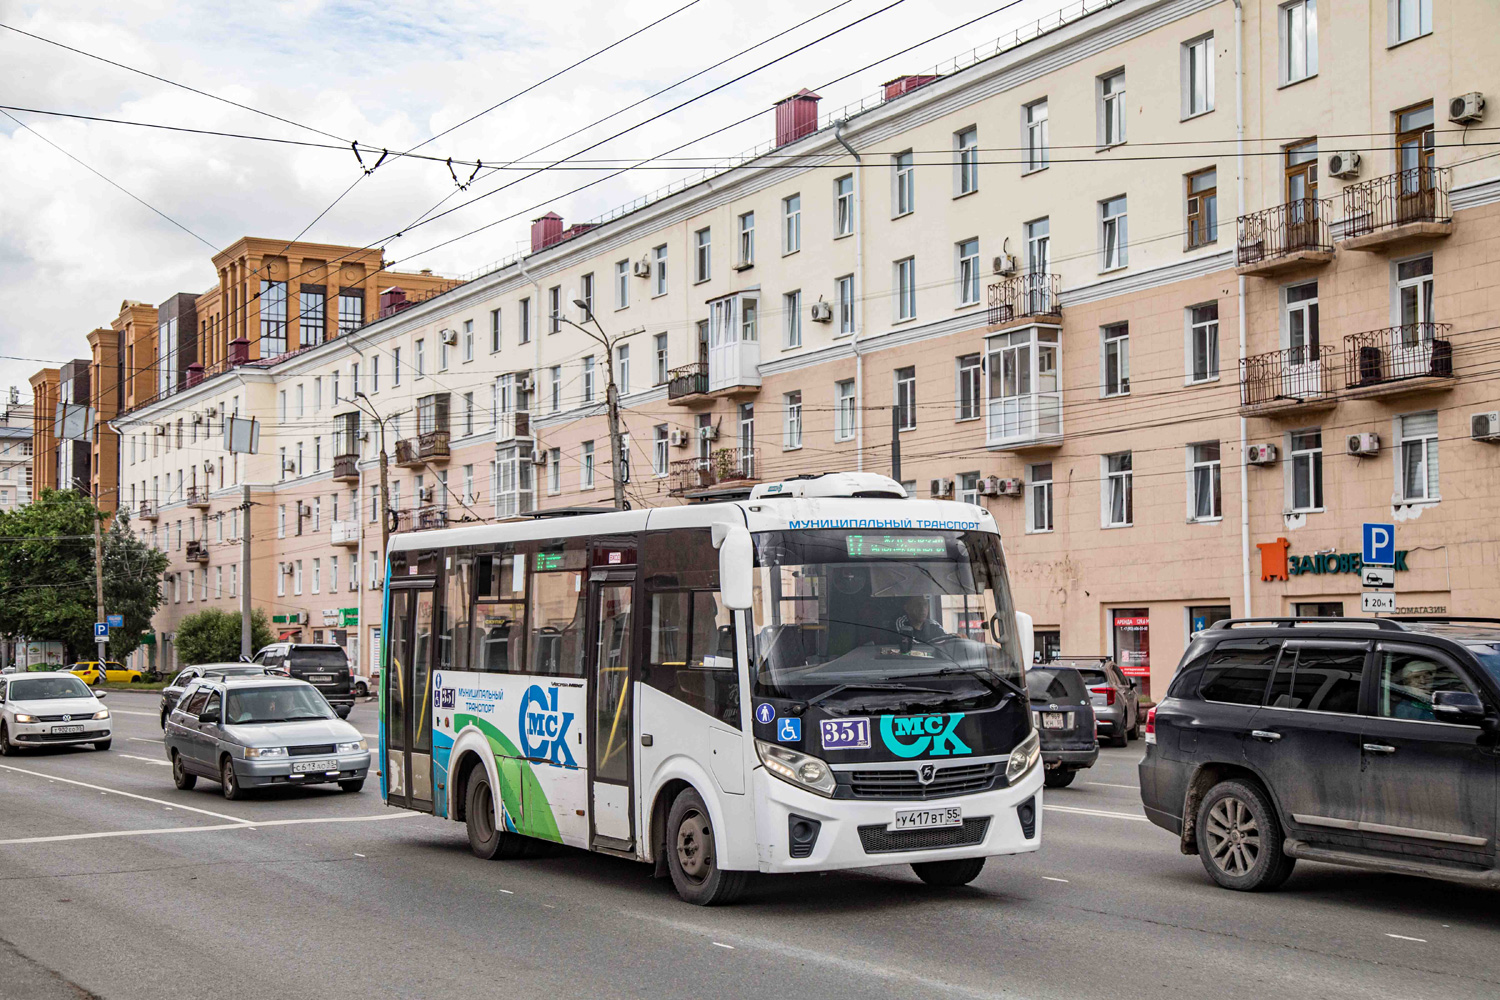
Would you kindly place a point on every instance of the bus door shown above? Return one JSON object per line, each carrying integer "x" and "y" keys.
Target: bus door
{"x": 611, "y": 703}
{"x": 408, "y": 698}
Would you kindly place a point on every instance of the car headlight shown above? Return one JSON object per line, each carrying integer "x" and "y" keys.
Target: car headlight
{"x": 103, "y": 713}
{"x": 796, "y": 768}
{"x": 1023, "y": 757}
{"x": 265, "y": 751}
{"x": 354, "y": 747}
{"x": 25, "y": 718}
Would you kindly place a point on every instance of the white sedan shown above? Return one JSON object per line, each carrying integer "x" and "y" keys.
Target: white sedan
{"x": 46, "y": 709}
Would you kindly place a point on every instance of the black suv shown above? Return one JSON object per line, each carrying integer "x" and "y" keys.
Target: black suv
{"x": 1364, "y": 742}
{"x": 323, "y": 665}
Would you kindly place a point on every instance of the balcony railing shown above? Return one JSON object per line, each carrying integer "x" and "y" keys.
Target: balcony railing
{"x": 1033, "y": 418}
{"x": 148, "y": 511}
{"x": 433, "y": 444}
{"x": 197, "y": 552}
{"x": 1287, "y": 379}
{"x": 689, "y": 380}
{"x": 1405, "y": 198}
{"x": 406, "y": 453}
{"x": 1397, "y": 353}
{"x": 1284, "y": 233}
{"x": 346, "y": 468}
{"x": 197, "y": 496}
{"x": 421, "y": 519}
{"x": 724, "y": 465}
{"x": 345, "y": 533}
{"x": 1023, "y": 295}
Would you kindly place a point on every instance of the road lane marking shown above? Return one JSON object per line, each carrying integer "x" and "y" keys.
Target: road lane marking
{"x": 210, "y": 828}
{"x": 102, "y": 790}
{"x": 1049, "y": 878}
{"x": 1403, "y": 937}
{"x": 1096, "y": 812}
{"x": 721, "y": 944}
{"x": 126, "y": 711}
{"x": 1102, "y": 784}
{"x": 148, "y": 760}
{"x": 142, "y": 739}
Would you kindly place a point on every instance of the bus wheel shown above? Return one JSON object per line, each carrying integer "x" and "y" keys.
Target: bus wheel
{"x": 691, "y": 856}
{"x": 486, "y": 839}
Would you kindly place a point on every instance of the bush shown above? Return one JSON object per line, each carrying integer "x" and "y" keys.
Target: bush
{"x": 214, "y": 636}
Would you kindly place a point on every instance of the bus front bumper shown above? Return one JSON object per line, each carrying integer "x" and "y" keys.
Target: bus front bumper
{"x": 853, "y": 833}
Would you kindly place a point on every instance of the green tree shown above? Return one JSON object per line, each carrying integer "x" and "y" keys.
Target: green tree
{"x": 213, "y": 636}
{"x": 47, "y": 575}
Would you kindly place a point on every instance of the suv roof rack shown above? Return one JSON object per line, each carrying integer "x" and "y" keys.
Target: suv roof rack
{"x": 1388, "y": 624}
{"x": 1460, "y": 619}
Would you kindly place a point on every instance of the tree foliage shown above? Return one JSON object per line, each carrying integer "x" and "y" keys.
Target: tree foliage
{"x": 47, "y": 575}
{"x": 213, "y": 636}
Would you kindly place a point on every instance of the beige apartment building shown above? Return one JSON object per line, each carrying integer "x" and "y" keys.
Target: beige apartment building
{"x": 1184, "y": 293}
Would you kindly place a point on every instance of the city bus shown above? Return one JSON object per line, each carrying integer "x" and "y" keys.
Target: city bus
{"x": 825, "y": 675}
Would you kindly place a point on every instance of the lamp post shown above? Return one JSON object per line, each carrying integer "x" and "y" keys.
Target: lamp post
{"x": 611, "y": 393}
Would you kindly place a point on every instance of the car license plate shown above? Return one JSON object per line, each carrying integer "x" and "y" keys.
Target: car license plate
{"x": 314, "y": 765}
{"x": 67, "y": 729}
{"x": 320, "y": 678}
{"x": 927, "y": 819}
{"x": 1054, "y": 720}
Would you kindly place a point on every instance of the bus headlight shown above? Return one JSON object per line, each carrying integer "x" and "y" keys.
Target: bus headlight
{"x": 1023, "y": 757}
{"x": 796, "y": 768}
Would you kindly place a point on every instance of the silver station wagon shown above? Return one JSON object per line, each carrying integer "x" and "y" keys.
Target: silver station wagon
{"x": 248, "y": 732}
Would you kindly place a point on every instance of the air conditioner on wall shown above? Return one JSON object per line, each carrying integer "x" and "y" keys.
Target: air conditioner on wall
{"x": 288, "y": 465}
{"x": 523, "y": 383}
{"x": 641, "y": 268}
{"x": 1344, "y": 164}
{"x": 159, "y": 430}
{"x": 942, "y": 487}
{"x": 208, "y": 465}
{"x": 424, "y": 495}
{"x": 989, "y": 486}
{"x": 538, "y": 456}
{"x": 1485, "y": 426}
{"x": 1261, "y": 454}
{"x": 450, "y": 337}
{"x": 362, "y": 436}
{"x": 1010, "y": 487}
{"x": 677, "y": 437}
{"x": 1005, "y": 264}
{"x": 1363, "y": 445}
{"x": 822, "y": 312}
{"x": 1466, "y": 109}
{"x": 709, "y": 433}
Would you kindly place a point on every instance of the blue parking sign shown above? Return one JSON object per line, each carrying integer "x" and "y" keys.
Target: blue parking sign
{"x": 1379, "y": 544}
{"x": 101, "y": 630}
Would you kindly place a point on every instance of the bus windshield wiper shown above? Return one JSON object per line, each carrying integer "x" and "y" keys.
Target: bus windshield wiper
{"x": 873, "y": 686}
{"x": 983, "y": 672}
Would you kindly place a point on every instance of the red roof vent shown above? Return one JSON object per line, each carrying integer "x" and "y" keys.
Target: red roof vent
{"x": 392, "y": 301}
{"x": 906, "y": 84}
{"x": 546, "y": 231}
{"x": 796, "y": 116}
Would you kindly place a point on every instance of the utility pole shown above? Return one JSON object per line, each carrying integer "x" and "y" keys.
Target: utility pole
{"x": 611, "y": 396}
{"x": 101, "y": 643}
{"x": 245, "y": 651}
{"x": 896, "y": 443}
{"x": 385, "y": 478}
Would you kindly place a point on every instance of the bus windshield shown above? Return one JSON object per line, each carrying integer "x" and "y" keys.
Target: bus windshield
{"x": 884, "y": 620}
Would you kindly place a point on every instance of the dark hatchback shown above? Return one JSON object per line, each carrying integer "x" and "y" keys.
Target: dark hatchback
{"x": 1362, "y": 742}
{"x": 173, "y": 691}
{"x": 1064, "y": 716}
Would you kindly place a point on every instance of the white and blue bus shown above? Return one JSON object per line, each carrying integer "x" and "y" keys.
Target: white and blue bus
{"x": 827, "y": 675}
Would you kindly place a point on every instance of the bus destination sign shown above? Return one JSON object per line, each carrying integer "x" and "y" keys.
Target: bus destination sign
{"x": 898, "y": 546}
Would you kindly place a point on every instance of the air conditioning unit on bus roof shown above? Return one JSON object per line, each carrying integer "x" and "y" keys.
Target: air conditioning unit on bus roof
{"x": 866, "y": 485}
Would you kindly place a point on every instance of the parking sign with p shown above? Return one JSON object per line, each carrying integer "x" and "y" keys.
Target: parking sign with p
{"x": 1379, "y": 544}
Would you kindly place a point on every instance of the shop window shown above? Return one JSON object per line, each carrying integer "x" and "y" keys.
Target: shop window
{"x": 1130, "y": 631}
{"x": 1202, "y": 616}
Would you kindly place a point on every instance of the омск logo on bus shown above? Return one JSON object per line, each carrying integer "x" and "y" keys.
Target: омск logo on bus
{"x": 936, "y": 732}
{"x": 543, "y": 729}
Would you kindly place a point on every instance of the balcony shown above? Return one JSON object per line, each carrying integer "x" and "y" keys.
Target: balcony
{"x": 1388, "y": 211}
{"x": 1285, "y": 237}
{"x": 1022, "y": 296}
{"x": 148, "y": 511}
{"x": 346, "y": 533}
{"x": 1296, "y": 380}
{"x": 723, "y": 466}
{"x": 421, "y": 519}
{"x": 511, "y": 426}
{"x": 1025, "y": 422}
{"x": 432, "y": 427}
{"x": 433, "y": 446}
{"x": 688, "y": 384}
{"x": 406, "y": 454}
{"x": 197, "y": 496}
{"x": 197, "y": 552}
{"x": 346, "y": 468}
{"x": 1399, "y": 360}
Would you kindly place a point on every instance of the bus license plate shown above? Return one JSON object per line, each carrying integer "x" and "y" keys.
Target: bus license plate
{"x": 927, "y": 819}
{"x": 319, "y": 678}
{"x": 67, "y": 729}
{"x": 1054, "y": 720}
{"x": 315, "y": 765}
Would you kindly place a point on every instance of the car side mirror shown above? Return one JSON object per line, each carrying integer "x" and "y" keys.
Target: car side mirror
{"x": 1134, "y": 684}
{"x": 101, "y": 695}
{"x": 211, "y": 717}
{"x": 736, "y": 565}
{"x": 1457, "y": 706}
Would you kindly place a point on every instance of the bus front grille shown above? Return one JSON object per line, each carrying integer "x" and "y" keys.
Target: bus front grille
{"x": 957, "y": 779}
{"x": 876, "y": 839}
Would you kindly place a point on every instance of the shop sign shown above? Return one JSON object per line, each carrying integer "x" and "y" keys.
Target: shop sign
{"x": 349, "y": 617}
{"x": 278, "y": 619}
{"x": 330, "y": 616}
{"x": 1276, "y": 563}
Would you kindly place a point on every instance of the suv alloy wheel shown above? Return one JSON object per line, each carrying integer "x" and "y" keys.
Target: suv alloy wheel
{"x": 1239, "y": 838}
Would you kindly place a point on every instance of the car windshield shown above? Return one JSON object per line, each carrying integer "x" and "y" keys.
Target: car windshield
{"x": 43, "y": 688}
{"x": 884, "y": 620}
{"x": 284, "y": 703}
{"x": 1488, "y": 653}
{"x": 1055, "y": 684}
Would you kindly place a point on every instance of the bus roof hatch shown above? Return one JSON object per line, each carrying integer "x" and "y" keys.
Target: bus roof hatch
{"x": 832, "y": 484}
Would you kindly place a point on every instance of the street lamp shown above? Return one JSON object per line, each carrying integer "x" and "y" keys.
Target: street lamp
{"x": 385, "y": 479}
{"x": 611, "y": 394}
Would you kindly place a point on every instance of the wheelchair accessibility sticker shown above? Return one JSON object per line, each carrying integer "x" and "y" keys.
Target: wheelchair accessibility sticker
{"x": 789, "y": 730}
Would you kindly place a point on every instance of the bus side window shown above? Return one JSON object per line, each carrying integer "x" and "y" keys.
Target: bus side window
{"x": 499, "y": 617}
{"x": 558, "y": 606}
{"x": 691, "y": 652}
{"x": 454, "y": 625}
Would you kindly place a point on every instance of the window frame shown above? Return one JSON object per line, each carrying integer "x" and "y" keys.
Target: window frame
{"x": 843, "y": 207}
{"x": 845, "y": 415}
{"x": 791, "y": 224}
{"x": 745, "y": 242}
{"x": 903, "y": 184}
{"x": 1126, "y": 477}
{"x": 1214, "y": 469}
{"x": 967, "y": 272}
{"x": 1039, "y": 491}
{"x": 1110, "y": 109}
{"x": 1190, "y": 106}
{"x": 1286, "y": 49}
{"x": 1194, "y": 324}
{"x": 904, "y": 289}
{"x": 1314, "y": 460}
{"x": 904, "y": 397}
{"x": 1431, "y": 464}
{"x": 1120, "y": 339}
{"x": 1205, "y": 216}
{"x": 1394, "y": 37}
{"x": 622, "y": 284}
{"x": 703, "y": 260}
{"x": 848, "y": 312}
{"x": 791, "y": 325}
{"x": 1118, "y": 226}
{"x": 966, "y": 161}
{"x": 1035, "y": 144}
{"x": 970, "y": 366}
{"x": 791, "y": 420}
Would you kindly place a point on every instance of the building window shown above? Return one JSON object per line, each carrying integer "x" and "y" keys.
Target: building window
{"x": 1298, "y": 31}
{"x": 374, "y": 373}
{"x": 556, "y": 385}
{"x": 588, "y": 379}
{"x": 1116, "y": 359}
{"x": 525, "y": 321}
{"x": 970, "y": 376}
{"x": 586, "y": 467}
{"x": 1409, "y": 19}
{"x": 586, "y": 293}
{"x": 747, "y": 239}
{"x": 906, "y": 288}
{"x": 1112, "y": 108}
{"x": 906, "y": 398}
{"x": 1034, "y": 121}
{"x": 791, "y": 223}
{"x": 1198, "y": 76}
{"x": 468, "y": 340}
{"x": 660, "y": 442}
{"x": 1202, "y": 208}
{"x": 968, "y": 487}
{"x": 791, "y": 308}
{"x": 843, "y": 201}
{"x": 1039, "y": 497}
{"x": 791, "y": 422}
{"x": 419, "y": 354}
{"x": 747, "y": 440}
{"x": 554, "y": 470}
{"x": 1205, "y": 500}
{"x": 272, "y": 318}
{"x": 554, "y": 309}
{"x": 622, "y": 284}
{"x": 622, "y": 369}
{"x": 1114, "y": 234}
{"x": 846, "y": 303}
{"x": 749, "y": 331}
{"x": 297, "y": 577}
{"x": 1414, "y": 299}
{"x": 904, "y": 197}
{"x": 843, "y": 410}
{"x": 1302, "y": 323}
{"x": 702, "y": 255}
{"x": 494, "y": 330}
{"x": 468, "y": 414}
{"x": 1119, "y": 501}
{"x": 1305, "y": 459}
{"x": 351, "y": 311}
{"x": 313, "y": 321}
{"x": 659, "y": 344}
{"x": 968, "y": 272}
{"x": 1418, "y": 456}
{"x": 659, "y": 268}
{"x": 317, "y": 576}
{"x": 1203, "y": 342}
{"x": 966, "y": 144}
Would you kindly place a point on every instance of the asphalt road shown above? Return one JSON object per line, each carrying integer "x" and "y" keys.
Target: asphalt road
{"x": 114, "y": 884}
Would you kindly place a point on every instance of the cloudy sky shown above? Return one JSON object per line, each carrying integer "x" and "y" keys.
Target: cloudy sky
{"x": 72, "y": 247}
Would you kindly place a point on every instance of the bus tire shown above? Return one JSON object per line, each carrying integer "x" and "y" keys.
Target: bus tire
{"x": 692, "y": 858}
{"x": 486, "y": 839}
{"x": 960, "y": 871}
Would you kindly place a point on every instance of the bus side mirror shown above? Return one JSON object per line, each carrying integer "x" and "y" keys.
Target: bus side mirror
{"x": 1026, "y": 636}
{"x": 736, "y": 565}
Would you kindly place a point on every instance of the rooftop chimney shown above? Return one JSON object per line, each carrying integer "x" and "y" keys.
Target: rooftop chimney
{"x": 392, "y": 301}
{"x": 546, "y": 231}
{"x": 906, "y": 84}
{"x": 796, "y": 116}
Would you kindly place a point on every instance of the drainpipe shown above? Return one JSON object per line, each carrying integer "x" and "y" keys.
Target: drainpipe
{"x": 1239, "y": 152}
{"x": 536, "y": 370}
{"x": 859, "y": 296}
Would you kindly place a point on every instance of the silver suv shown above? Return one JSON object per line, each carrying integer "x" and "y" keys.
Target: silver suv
{"x": 1116, "y": 698}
